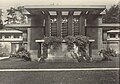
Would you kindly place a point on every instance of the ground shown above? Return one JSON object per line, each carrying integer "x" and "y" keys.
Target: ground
{"x": 59, "y": 77}
{"x": 69, "y": 77}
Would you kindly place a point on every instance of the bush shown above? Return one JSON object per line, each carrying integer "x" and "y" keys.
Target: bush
{"x": 23, "y": 53}
{"x": 2, "y": 54}
{"x": 70, "y": 42}
{"x": 107, "y": 53}
{"x": 54, "y": 42}
{"x": 80, "y": 41}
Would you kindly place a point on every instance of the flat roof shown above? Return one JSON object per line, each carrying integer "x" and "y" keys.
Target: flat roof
{"x": 117, "y": 25}
{"x": 10, "y": 31}
{"x": 113, "y": 31}
{"x": 91, "y": 8}
{"x": 65, "y": 6}
{"x": 22, "y": 26}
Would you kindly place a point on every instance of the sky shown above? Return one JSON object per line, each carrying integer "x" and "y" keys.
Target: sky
{"x": 6, "y": 4}
{"x": 14, "y": 3}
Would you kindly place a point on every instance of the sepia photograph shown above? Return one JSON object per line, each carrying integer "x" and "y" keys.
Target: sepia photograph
{"x": 59, "y": 41}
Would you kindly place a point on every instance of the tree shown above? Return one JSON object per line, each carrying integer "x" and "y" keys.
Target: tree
{"x": 22, "y": 16}
{"x": 1, "y": 22}
{"x": 11, "y": 18}
{"x": 15, "y": 15}
{"x": 112, "y": 15}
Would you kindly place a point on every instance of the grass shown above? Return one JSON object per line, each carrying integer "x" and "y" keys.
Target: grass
{"x": 59, "y": 77}
{"x": 62, "y": 77}
{"x": 18, "y": 63}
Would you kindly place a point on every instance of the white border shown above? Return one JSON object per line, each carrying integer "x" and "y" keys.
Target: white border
{"x": 50, "y": 70}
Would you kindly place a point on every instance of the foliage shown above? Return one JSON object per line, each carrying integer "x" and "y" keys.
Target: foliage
{"x": 70, "y": 42}
{"x": 15, "y": 15}
{"x": 2, "y": 54}
{"x": 112, "y": 15}
{"x": 1, "y": 22}
{"x": 0, "y": 13}
{"x": 11, "y": 18}
{"x": 107, "y": 53}
{"x": 54, "y": 42}
{"x": 82, "y": 41}
{"x": 22, "y": 16}
{"x": 23, "y": 53}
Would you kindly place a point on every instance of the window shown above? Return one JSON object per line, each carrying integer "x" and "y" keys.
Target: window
{"x": 53, "y": 27}
{"x": 112, "y": 35}
{"x": 118, "y": 35}
{"x": 64, "y": 26}
{"x": 16, "y": 35}
{"x": 7, "y": 35}
{"x": 76, "y": 26}
{"x": 0, "y": 36}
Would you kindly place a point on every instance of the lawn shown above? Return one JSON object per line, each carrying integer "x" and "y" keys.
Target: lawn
{"x": 20, "y": 64}
{"x": 61, "y": 77}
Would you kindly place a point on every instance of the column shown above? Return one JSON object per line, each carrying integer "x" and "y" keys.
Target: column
{"x": 81, "y": 25}
{"x": 70, "y": 23}
{"x": 100, "y": 42}
{"x": 59, "y": 24}
{"x": 47, "y": 26}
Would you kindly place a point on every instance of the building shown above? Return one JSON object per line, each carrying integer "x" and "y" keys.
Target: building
{"x": 113, "y": 40}
{"x": 64, "y": 20}
{"x": 10, "y": 40}
{"x": 111, "y": 36}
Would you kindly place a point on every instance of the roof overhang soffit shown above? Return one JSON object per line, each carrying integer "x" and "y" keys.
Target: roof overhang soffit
{"x": 89, "y": 10}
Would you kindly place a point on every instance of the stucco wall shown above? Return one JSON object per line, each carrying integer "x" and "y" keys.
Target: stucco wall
{"x": 95, "y": 33}
{"x": 34, "y": 34}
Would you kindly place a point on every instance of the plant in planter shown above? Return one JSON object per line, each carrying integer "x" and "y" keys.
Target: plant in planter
{"x": 107, "y": 54}
{"x": 82, "y": 41}
{"x": 23, "y": 53}
{"x": 70, "y": 42}
{"x": 53, "y": 43}
{"x": 56, "y": 43}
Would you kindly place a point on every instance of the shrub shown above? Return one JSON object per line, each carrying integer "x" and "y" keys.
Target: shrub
{"x": 107, "y": 53}
{"x": 2, "y": 54}
{"x": 82, "y": 41}
{"x": 54, "y": 42}
{"x": 70, "y": 42}
{"x": 23, "y": 53}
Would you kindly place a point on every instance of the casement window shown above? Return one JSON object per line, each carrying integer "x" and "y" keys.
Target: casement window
{"x": 112, "y": 35}
{"x": 76, "y": 26}
{"x": 119, "y": 35}
{"x": 53, "y": 26}
{"x": 7, "y": 35}
{"x": 0, "y": 36}
{"x": 16, "y": 35}
{"x": 64, "y": 27}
